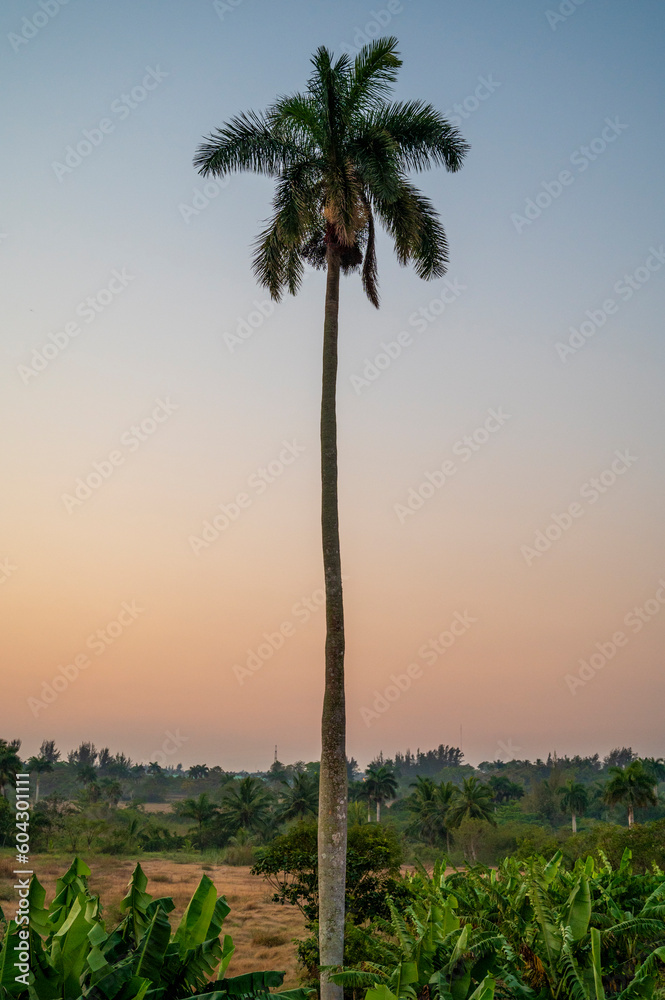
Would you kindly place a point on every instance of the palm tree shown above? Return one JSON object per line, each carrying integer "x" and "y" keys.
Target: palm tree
{"x": 359, "y": 791}
{"x": 631, "y": 786}
{"x": 340, "y": 153}
{"x": 503, "y": 789}
{"x": 655, "y": 766}
{"x": 246, "y": 806}
{"x": 429, "y": 804}
{"x": 111, "y": 791}
{"x": 201, "y": 810}
{"x": 300, "y": 799}
{"x": 39, "y": 765}
{"x": 574, "y": 799}
{"x": 198, "y": 771}
{"x": 472, "y": 801}
{"x": 381, "y": 785}
{"x": 10, "y": 763}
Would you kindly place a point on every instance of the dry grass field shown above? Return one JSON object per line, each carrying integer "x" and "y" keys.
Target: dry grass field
{"x": 262, "y": 931}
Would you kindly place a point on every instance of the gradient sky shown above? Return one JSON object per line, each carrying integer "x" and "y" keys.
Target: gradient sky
{"x": 536, "y": 93}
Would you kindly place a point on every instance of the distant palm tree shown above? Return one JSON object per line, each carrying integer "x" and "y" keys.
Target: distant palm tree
{"x": 86, "y": 774}
{"x": 39, "y": 765}
{"x": 504, "y": 790}
{"x": 300, "y": 798}
{"x": 198, "y": 771}
{"x": 574, "y": 799}
{"x": 341, "y": 154}
{"x": 10, "y": 763}
{"x": 429, "y": 804}
{"x": 631, "y": 786}
{"x": 472, "y": 801}
{"x": 201, "y": 810}
{"x": 246, "y": 806}
{"x": 111, "y": 790}
{"x": 655, "y": 766}
{"x": 49, "y": 750}
{"x": 360, "y": 792}
{"x": 381, "y": 785}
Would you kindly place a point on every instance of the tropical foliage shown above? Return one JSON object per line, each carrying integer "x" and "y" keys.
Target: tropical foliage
{"x": 74, "y": 956}
{"x": 535, "y": 930}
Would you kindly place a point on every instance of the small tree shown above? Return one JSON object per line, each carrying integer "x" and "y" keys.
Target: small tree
{"x": 49, "y": 751}
{"x": 202, "y": 810}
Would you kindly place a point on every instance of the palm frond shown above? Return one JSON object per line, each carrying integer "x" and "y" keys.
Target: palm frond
{"x": 373, "y": 74}
{"x": 246, "y": 142}
{"x": 422, "y": 135}
{"x": 370, "y": 271}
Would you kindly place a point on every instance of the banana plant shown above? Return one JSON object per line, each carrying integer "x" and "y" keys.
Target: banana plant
{"x": 525, "y": 930}
{"x": 74, "y": 957}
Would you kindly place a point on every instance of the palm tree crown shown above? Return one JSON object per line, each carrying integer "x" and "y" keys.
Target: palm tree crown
{"x": 340, "y": 153}
{"x": 472, "y": 801}
{"x": 632, "y": 786}
{"x": 300, "y": 798}
{"x": 381, "y": 785}
{"x": 574, "y": 799}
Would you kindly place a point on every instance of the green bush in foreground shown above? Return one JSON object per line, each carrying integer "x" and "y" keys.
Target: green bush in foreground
{"x": 74, "y": 957}
{"x": 531, "y": 930}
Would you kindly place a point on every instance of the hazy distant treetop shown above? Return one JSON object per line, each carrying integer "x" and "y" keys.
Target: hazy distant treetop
{"x": 49, "y": 751}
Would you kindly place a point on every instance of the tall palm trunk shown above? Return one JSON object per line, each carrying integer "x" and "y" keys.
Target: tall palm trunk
{"x": 378, "y": 810}
{"x": 631, "y": 816}
{"x": 369, "y": 810}
{"x": 574, "y": 823}
{"x": 333, "y": 784}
